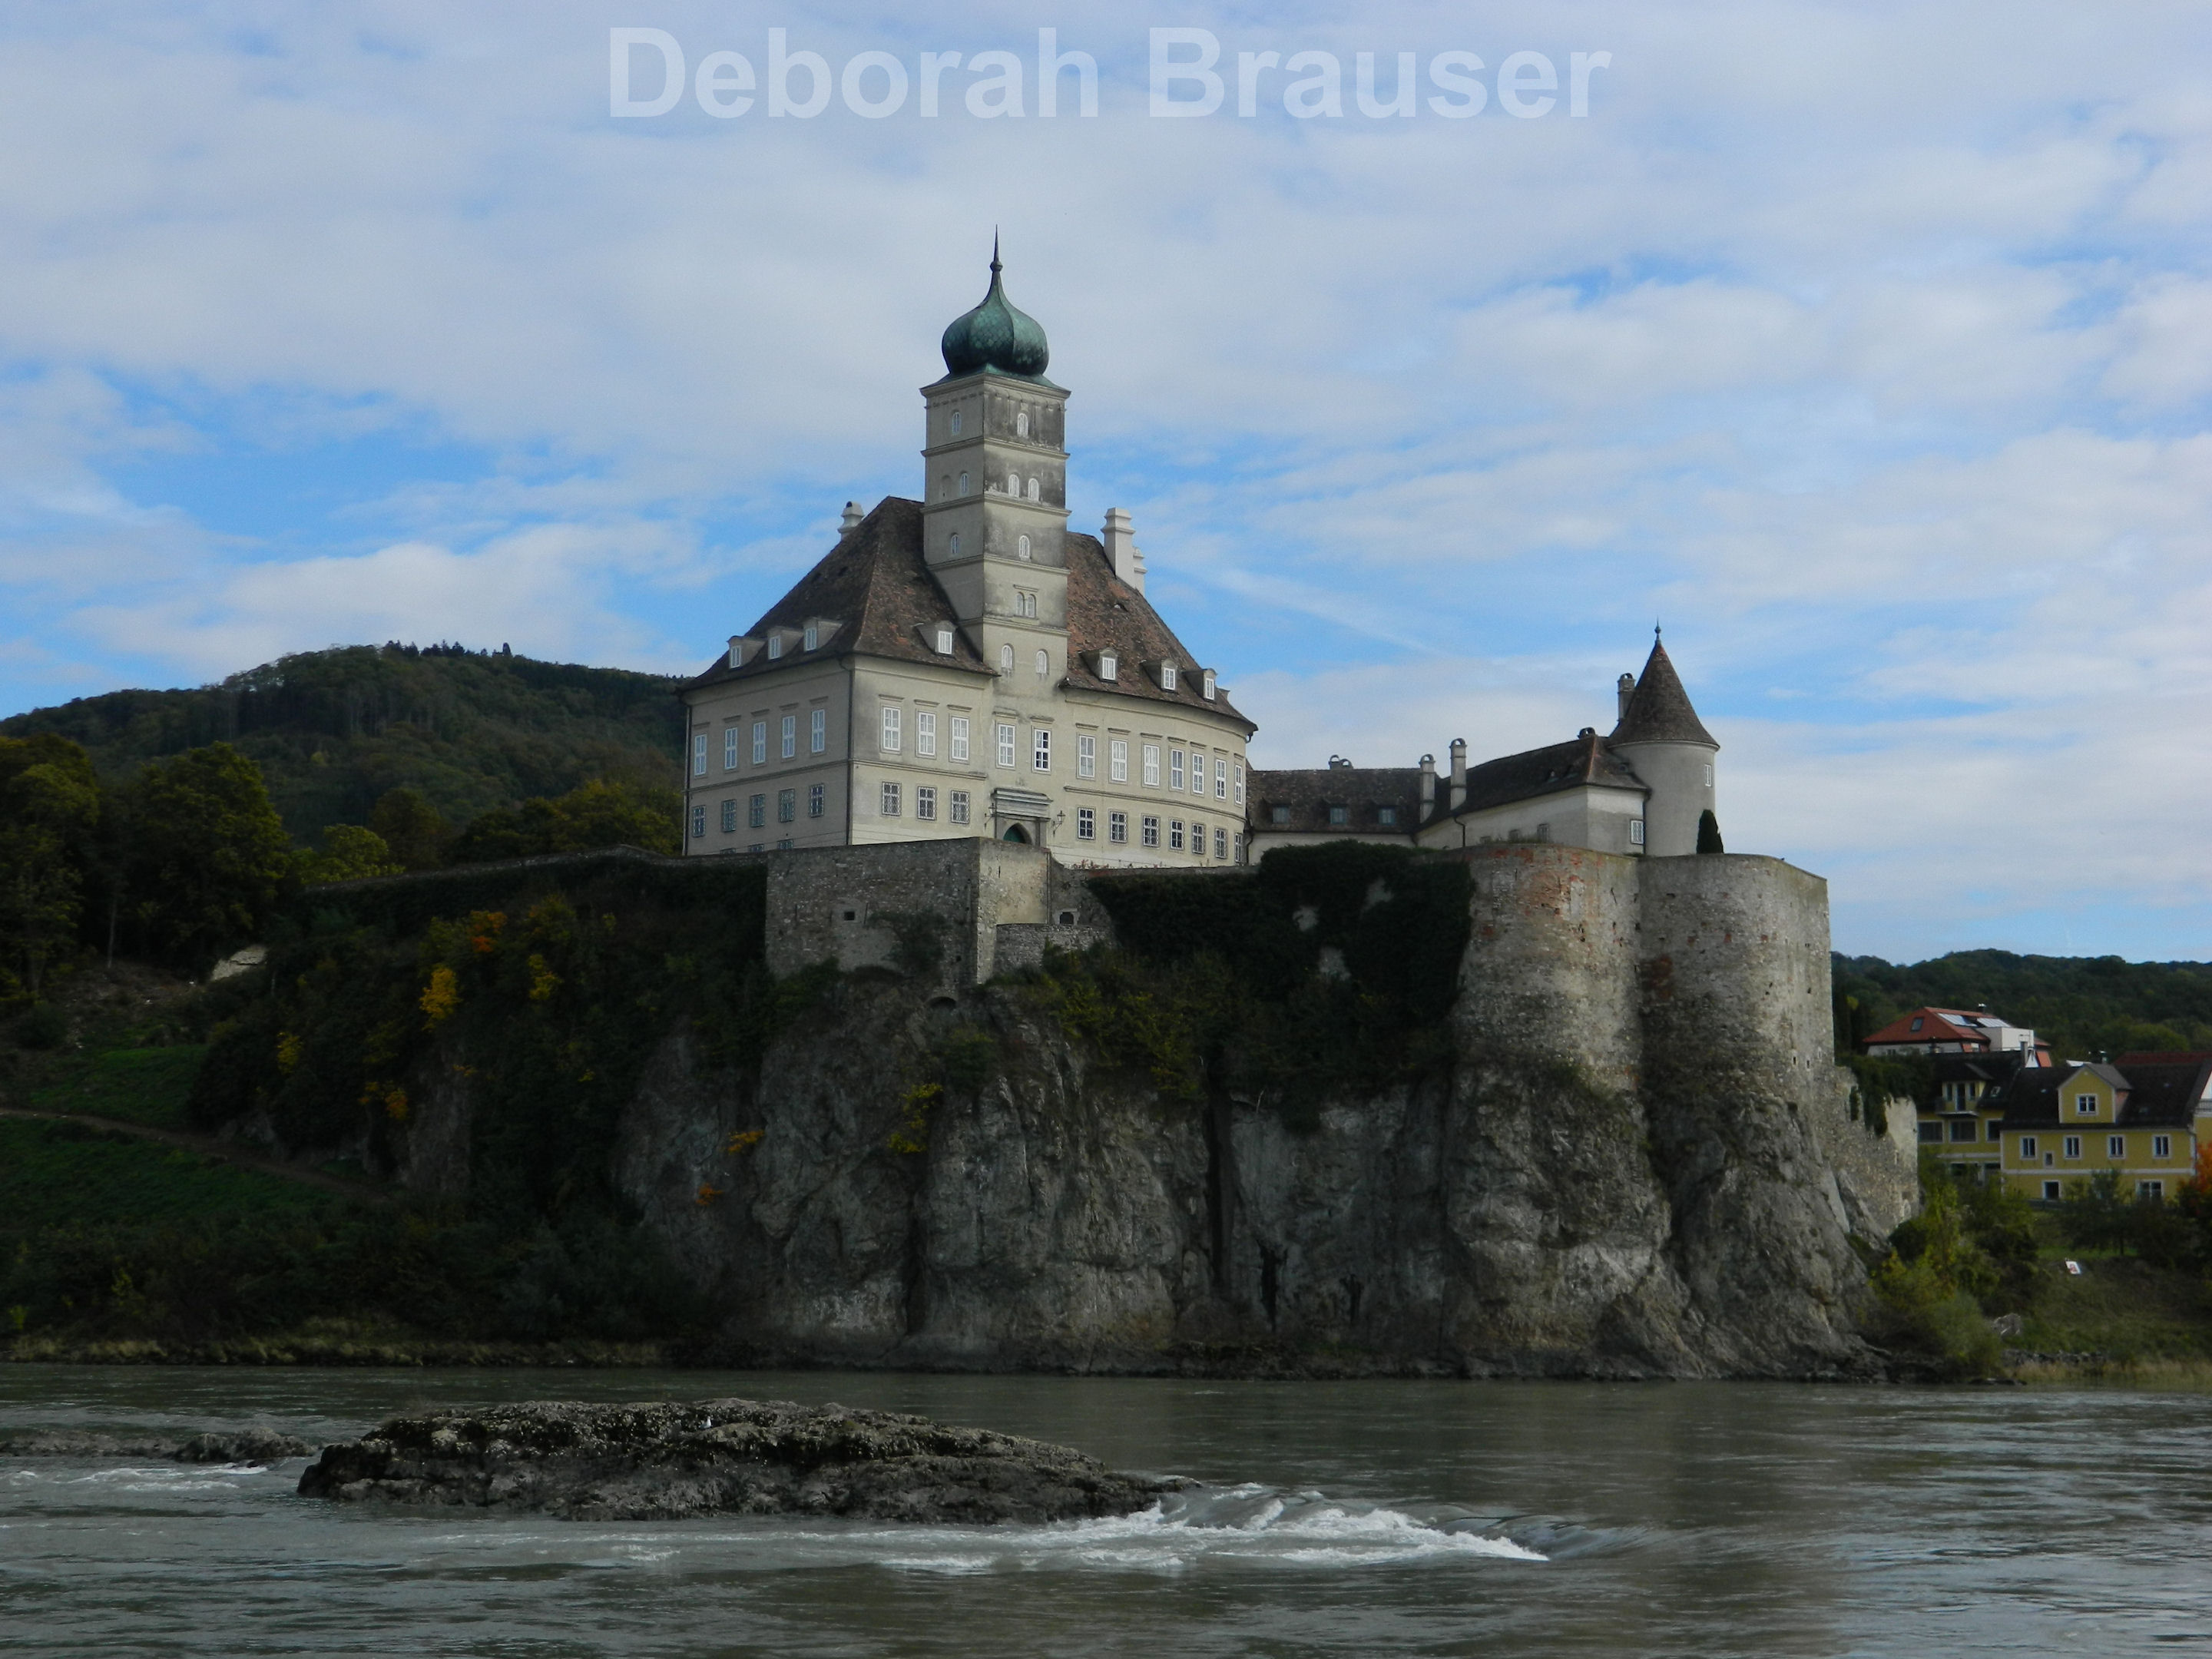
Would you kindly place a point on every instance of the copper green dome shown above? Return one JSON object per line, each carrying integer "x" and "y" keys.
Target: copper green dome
{"x": 996, "y": 336}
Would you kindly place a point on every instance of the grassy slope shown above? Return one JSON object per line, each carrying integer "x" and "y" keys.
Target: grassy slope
{"x": 137, "y": 1086}
{"x": 332, "y": 730}
{"x": 65, "y": 1174}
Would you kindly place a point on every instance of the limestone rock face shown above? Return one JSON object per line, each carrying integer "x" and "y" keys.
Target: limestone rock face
{"x": 672, "y": 1462}
{"x": 1639, "y": 1162}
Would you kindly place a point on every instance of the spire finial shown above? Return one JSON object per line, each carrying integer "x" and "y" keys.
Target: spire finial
{"x": 996, "y": 266}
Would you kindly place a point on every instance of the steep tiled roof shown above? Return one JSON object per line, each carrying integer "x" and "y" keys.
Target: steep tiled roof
{"x": 1545, "y": 771}
{"x": 2157, "y": 1097}
{"x": 1105, "y": 613}
{"x": 1307, "y": 795}
{"x": 1659, "y": 708}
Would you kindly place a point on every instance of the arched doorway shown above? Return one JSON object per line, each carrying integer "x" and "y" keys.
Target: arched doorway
{"x": 1015, "y": 832}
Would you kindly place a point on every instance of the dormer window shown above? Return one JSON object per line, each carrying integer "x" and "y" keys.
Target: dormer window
{"x": 1206, "y": 685}
{"x": 1279, "y": 814}
{"x": 1340, "y": 815}
{"x": 774, "y": 646}
{"x": 944, "y": 640}
{"x": 813, "y": 636}
{"x": 737, "y": 651}
{"x": 1918, "y": 1021}
{"x": 1167, "y": 677}
{"x": 1386, "y": 816}
{"x": 1109, "y": 665}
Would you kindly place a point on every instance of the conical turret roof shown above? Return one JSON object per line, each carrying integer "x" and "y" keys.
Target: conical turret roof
{"x": 1659, "y": 708}
{"x": 995, "y": 336}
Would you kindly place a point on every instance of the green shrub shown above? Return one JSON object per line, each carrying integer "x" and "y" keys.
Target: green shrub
{"x": 41, "y": 1026}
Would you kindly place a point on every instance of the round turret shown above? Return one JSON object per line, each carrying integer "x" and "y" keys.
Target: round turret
{"x": 994, "y": 336}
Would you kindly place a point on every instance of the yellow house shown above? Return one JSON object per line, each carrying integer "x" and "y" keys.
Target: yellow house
{"x": 1964, "y": 1123}
{"x": 2144, "y": 1116}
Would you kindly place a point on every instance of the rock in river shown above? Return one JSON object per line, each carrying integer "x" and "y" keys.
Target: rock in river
{"x": 672, "y": 1460}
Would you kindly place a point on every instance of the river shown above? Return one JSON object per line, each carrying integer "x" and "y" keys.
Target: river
{"x": 1349, "y": 1518}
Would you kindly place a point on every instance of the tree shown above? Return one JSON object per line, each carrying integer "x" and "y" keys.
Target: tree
{"x": 1708, "y": 833}
{"x": 597, "y": 814}
{"x": 49, "y": 805}
{"x": 349, "y": 854}
{"x": 211, "y": 857}
{"x": 416, "y": 832}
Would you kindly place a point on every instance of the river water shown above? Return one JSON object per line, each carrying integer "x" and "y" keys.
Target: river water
{"x": 1342, "y": 1518}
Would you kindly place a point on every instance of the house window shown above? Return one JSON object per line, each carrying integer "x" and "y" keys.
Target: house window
{"x": 1151, "y": 766}
{"x": 2150, "y": 1189}
{"x": 1636, "y": 832}
{"x": 699, "y": 755}
{"x": 1148, "y": 831}
{"x": 1996, "y": 1130}
{"x": 1931, "y": 1129}
{"x": 1221, "y": 843}
{"x": 892, "y": 735}
{"x": 1386, "y": 816}
{"x": 730, "y": 815}
{"x": 1086, "y": 755}
{"x": 818, "y": 731}
{"x": 960, "y": 737}
{"x": 1041, "y": 752}
{"x": 925, "y": 802}
{"x": 1022, "y": 548}
{"x": 1167, "y": 677}
{"x": 2073, "y": 1145}
{"x": 1340, "y": 815}
{"x": 957, "y": 807}
{"x": 1086, "y": 824}
{"x": 1239, "y": 796}
{"x": 1117, "y": 760}
{"x": 729, "y": 748}
{"x": 755, "y": 812}
{"x": 774, "y": 646}
{"x": 2051, "y": 1191}
{"x": 816, "y": 797}
{"x": 789, "y": 735}
{"x": 698, "y": 823}
{"x": 1005, "y": 660}
{"x": 1174, "y": 768}
{"x": 1964, "y": 1129}
{"x": 786, "y": 805}
{"x": 813, "y": 637}
{"x": 1221, "y": 780}
{"x": 1197, "y": 839}
{"x": 2085, "y": 1105}
{"x": 2161, "y": 1146}
{"x": 760, "y": 743}
{"x": 2116, "y": 1146}
{"x": 944, "y": 641}
{"x": 1279, "y": 814}
{"x": 1117, "y": 828}
{"x": 888, "y": 806}
{"x": 925, "y": 734}
{"x": 1917, "y": 1023}
{"x": 1109, "y": 665}
{"x": 1006, "y": 733}
{"x": 1206, "y": 685}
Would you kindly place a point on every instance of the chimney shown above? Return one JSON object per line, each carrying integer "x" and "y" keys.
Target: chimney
{"x": 1458, "y": 773}
{"x": 851, "y": 521}
{"x": 1624, "y": 688}
{"x": 1122, "y": 548}
{"x": 1428, "y": 787}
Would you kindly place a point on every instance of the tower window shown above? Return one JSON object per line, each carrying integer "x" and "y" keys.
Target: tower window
{"x": 1043, "y": 663}
{"x": 1022, "y": 548}
{"x": 955, "y": 423}
{"x": 1033, "y": 488}
{"x": 1221, "y": 783}
{"x": 963, "y": 483}
{"x": 1021, "y": 423}
{"x": 953, "y": 544}
{"x": 1005, "y": 660}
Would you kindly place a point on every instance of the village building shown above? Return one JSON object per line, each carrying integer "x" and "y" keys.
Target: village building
{"x": 1955, "y": 1031}
{"x": 965, "y": 665}
{"x": 2144, "y": 1116}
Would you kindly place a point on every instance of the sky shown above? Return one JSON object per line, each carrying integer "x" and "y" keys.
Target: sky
{"x": 1868, "y": 348}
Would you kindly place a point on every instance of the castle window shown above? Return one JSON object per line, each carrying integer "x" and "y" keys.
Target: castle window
{"x": 789, "y": 736}
{"x": 1117, "y": 828}
{"x": 1109, "y": 665}
{"x": 944, "y": 485}
{"x": 1041, "y": 752}
{"x": 2161, "y": 1146}
{"x": 755, "y": 812}
{"x": 1151, "y": 766}
{"x": 955, "y": 423}
{"x": 1279, "y": 814}
{"x": 1086, "y": 824}
{"x": 1022, "y": 548}
{"x": 699, "y": 755}
{"x": 1167, "y": 677}
{"x": 1148, "y": 831}
{"x": 960, "y": 737}
{"x": 1021, "y": 423}
{"x": 1239, "y": 769}
{"x": 786, "y": 805}
{"x": 957, "y": 809}
{"x": 1086, "y": 755}
{"x": 1206, "y": 685}
{"x": 698, "y": 823}
{"x": 1340, "y": 815}
{"x": 774, "y": 646}
{"x": 953, "y": 544}
{"x": 2116, "y": 1146}
{"x": 888, "y": 803}
{"x": 1174, "y": 768}
{"x": 729, "y": 748}
{"x": 815, "y": 795}
{"x": 1117, "y": 759}
{"x": 760, "y": 743}
{"x": 1636, "y": 832}
{"x": 1005, "y": 660}
{"x": 1033, "y": 488}
{"x": 818, "y": 731}
{"x": 925, "y": 802}
{"x": 730, "y": 815}
{"x": 1025, "y": 603}
{"x": 963, "y": 483}
{"x": 1708, "y": 774}
{"x": 1005, "y": 735}
{"x": 1175, "y": 835}
{"x": 944, "y": 641}
{"x": 784, "y": 846}
{"x": 1044, "y": 666}
{"x": 1197, "y": 839}
{"x": 1221, "y": 843}
{"x": 892, "y": 735}
{"x": 925, "y": 734}
{"x": 1221, "y": 780}
{"x": 813, "y": 637}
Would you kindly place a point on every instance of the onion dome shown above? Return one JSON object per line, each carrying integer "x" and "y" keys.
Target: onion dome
{"x": 996, "y": 336}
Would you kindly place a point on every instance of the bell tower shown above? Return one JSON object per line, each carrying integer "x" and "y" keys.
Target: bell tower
{"x": 995, "y": 489}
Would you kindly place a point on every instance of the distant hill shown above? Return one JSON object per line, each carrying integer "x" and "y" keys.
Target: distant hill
{"x": 332, "y": 730}
{"x": 2082, "y": 1005}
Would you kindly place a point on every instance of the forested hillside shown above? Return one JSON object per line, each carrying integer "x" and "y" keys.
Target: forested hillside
{"x": 2080, "y": 1006}
{"x": 334, "y": 730}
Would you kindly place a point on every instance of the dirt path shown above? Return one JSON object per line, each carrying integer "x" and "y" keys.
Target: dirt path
{"x": 209, "y": 1146}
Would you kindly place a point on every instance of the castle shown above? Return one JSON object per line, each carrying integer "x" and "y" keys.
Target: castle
{"x": 967, "y": 667}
